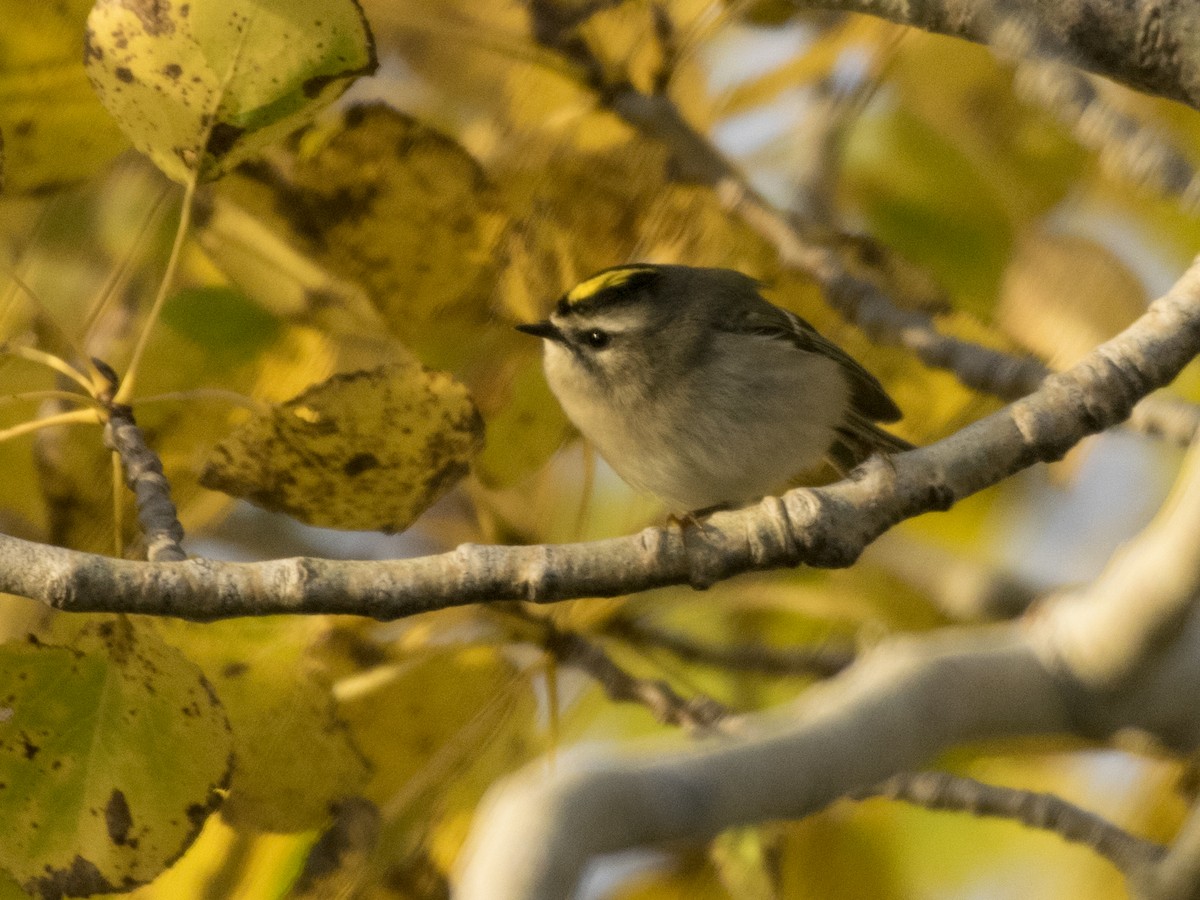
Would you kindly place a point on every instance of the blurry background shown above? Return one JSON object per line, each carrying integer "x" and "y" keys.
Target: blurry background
{"x": 476, "y": 176}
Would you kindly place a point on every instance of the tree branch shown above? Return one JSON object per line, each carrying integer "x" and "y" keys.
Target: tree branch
{"x": 533, "y": 836}
{"x": 1147, "y": 44}
{"x": 700, "y": 714}
{"x": 1073, "y": 667}
{"x": 942, "y": 791}
{"x": 823, "y": 527}
{"x": 143, "y": 475}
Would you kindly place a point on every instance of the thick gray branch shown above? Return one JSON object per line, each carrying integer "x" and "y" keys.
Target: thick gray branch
{"x": 1122, "y": 654}
{"x": 532, "y": 839}
{"x": 826, "y": 527}
{"x": 1151, "y": 45}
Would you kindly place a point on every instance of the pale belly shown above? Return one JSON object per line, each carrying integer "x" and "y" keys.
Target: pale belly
{"x": 726, "y": 447}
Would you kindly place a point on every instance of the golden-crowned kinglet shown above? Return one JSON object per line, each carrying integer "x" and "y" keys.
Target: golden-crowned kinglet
{"x": 700, "y": 392}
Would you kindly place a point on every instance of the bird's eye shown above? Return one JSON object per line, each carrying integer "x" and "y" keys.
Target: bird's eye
{"x": 596, "y": 338}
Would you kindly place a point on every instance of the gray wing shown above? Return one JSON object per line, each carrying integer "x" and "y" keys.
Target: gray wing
{"x": 867, "y": 397}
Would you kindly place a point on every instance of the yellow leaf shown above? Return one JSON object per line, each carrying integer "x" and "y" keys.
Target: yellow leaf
{"x": 1063, "y": 294}
{"x": 278, "y": 701}
{"x": 399, "y": 209}
{"x": 366, "y": 450}
{"x": 199, "y": 87}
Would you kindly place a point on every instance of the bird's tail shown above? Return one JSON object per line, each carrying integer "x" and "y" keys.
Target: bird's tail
{"x": 858, "y": 438}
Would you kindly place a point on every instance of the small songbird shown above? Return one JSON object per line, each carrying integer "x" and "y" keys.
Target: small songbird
{"x": 697, "y": 390}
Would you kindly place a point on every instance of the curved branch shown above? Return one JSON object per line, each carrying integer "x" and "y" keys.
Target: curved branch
{"x": 532, "y": 838}
{"x": 1149, "y": 45}
{"x": 824, "y": 527}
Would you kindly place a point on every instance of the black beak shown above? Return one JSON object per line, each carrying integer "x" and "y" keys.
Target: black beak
{"x": 547, "y": 330}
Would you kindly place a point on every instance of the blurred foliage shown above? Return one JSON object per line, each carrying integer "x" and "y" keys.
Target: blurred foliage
{"x": 336, "y": 343}
{"x": 278, "y": 700}
{"x": 55, "y": 129}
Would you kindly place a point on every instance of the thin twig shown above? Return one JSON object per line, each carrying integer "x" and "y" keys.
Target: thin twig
{"x": 50, "y": 361}
{"x": 700, "y": 714}
{"x": 943, "y": 791}
{"x": 75, "y": 417}
{"x": 143, "y": 475}
{"x": 117, "y": 274}
{"x": 48, "y": 315}
{"x": 125, "y": 391}
{"x": 217, "y": 395}
{"x": 38, "y": 396}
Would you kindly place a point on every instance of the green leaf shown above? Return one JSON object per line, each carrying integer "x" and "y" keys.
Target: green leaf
{"x": 367, "y": 450}
{"x": 925, "y": 199}
{"x": 223, "y": 320}
{"x": 202, "y": 86}
{"x": 440, "y": 726}
{"x": 111, "y": 753}
{"x": 55, "y": 130}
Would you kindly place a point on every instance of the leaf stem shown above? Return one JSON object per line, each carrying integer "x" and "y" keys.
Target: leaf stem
{"x": 75, "y": 417}
{"x": 217, "y": 394}
{"x": 41, "y": 357}
{"x": 26, "y": 396}
{"x": 185, "y": 221}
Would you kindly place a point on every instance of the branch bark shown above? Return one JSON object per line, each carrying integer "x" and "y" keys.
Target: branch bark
{"x": 533, "y": 837}
{"x": 1150, "y": 45}
{"x": 824, "y": 527}
{"x": 1073, "y": 667}
{"x": 144, "y": 475}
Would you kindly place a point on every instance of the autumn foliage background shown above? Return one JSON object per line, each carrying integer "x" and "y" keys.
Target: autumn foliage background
{"x": 366, "y": 271}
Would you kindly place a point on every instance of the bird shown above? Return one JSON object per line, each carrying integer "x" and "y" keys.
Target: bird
{"x": 697, "y": 390}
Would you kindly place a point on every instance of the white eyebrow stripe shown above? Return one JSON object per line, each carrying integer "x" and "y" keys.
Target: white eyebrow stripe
{"x": 614, "y": 321}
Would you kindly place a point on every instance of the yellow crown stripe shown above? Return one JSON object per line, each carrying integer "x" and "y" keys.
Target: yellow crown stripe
{"x": 603, "y": 281}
